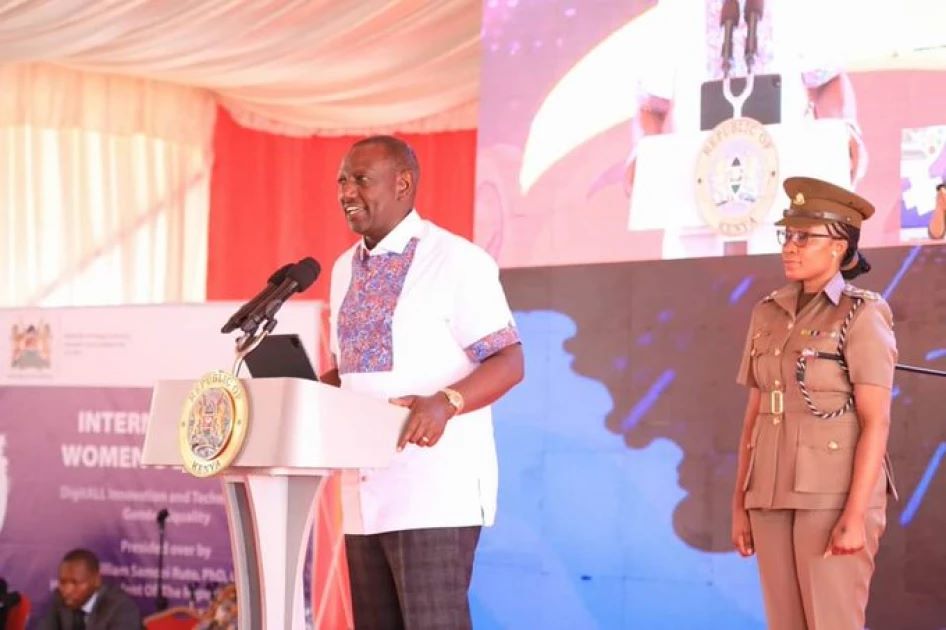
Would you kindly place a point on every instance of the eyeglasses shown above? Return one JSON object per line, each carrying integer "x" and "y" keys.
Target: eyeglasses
{"x": 798, "y": 237}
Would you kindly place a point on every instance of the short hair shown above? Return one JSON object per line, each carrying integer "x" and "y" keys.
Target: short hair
{"x": 88, "y": 558}
{"x": 402, "y": 153}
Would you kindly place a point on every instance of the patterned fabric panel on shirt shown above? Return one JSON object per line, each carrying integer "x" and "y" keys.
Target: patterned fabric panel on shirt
{"x": 492, "y": 343}
{"x": 364, "y": 319}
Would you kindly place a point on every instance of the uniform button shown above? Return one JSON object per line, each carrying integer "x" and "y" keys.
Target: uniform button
{"x": 776, "y": 420}
{"x": 778, "y": 383}
{"x": 791, "y": 325}
{"x": 833, "y": 446}
{"x": 777, "y": 351}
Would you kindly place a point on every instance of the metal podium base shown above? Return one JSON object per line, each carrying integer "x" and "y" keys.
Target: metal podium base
{"x": 270, "y": 519}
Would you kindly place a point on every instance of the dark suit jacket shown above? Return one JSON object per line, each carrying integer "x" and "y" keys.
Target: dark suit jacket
{"x": 113, "y": 610}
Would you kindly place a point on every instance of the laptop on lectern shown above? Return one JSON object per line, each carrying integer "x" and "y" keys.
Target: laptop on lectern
{"x": 280, "y": 356}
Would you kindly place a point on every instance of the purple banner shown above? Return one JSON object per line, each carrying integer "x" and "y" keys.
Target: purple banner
{"x": 71, "y": 476}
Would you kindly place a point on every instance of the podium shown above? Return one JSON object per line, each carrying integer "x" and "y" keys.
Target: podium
{"x": 298, "y": 433}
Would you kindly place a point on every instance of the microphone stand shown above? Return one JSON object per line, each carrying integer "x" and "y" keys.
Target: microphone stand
{"x": 730, "y": 19}
{"x": 247, "y": 342}
{"x": 161, "y": 602}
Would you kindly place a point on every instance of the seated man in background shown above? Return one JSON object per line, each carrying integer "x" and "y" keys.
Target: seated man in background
{"x": 83, "y": 602}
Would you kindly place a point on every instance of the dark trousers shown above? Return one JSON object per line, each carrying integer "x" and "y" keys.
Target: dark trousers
{"x": 412, "y": 580}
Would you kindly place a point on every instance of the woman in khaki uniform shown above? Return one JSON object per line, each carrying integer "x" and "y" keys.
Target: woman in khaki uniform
{"x": 813, "y": 475}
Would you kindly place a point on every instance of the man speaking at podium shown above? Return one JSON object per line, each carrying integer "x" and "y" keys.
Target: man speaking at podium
{"x": 418, "y": 317}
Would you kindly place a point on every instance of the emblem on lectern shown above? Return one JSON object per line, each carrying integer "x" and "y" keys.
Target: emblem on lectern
{"x": 736, "y": 176}
{"x": 213, "y": 423}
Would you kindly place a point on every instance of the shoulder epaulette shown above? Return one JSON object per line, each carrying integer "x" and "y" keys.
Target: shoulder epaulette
{"x": 857, "y": 292}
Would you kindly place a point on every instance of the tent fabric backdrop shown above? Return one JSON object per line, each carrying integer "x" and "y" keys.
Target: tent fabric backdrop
{"x": 294, "y": 67}
{"x": 103, "y": 188}
{"x": 150, "y": 72}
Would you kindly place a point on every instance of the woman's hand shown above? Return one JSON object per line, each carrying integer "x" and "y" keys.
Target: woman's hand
{"x": 847, "y": 536}
{"x": 742, "y": 532}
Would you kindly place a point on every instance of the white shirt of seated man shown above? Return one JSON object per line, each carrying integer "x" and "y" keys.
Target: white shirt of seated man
{"x": 689, "y": 54}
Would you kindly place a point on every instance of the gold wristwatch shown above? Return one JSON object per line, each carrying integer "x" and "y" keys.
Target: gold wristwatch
{"x": 455, "y": 398}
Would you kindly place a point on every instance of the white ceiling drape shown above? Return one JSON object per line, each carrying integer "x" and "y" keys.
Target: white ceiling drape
{"x": 295, "y": 67}
{"x": 104, "y": 188}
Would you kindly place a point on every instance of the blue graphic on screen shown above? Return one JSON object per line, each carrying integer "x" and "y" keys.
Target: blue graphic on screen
{"x": 932, "y": 467}
{"x": 916, "y": 500}
{"x": 584, "y": 535}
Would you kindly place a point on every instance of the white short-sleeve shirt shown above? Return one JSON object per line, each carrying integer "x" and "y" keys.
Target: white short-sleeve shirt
{"x": 411, "y": 316}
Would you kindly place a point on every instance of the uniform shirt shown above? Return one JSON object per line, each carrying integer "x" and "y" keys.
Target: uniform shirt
{"x": 415, "y": 314}
{"x": 798, "y": 460}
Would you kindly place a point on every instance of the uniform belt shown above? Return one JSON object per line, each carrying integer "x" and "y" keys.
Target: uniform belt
{"x": 776, "y": 402}
{"x": 772, "y": 402}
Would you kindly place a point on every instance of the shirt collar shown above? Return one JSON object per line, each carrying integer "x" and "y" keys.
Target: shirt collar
{"x": 834, "y": 288}
{"x": 90, "y": 604}
{"x": 397, "y": 239}
{"x": 787, "y": 296}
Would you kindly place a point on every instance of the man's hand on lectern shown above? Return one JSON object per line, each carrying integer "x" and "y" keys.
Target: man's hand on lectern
{"x": 427, "y": 420}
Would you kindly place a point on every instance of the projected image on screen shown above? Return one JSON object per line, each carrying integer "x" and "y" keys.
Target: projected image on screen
{"x": 922, "y": 170}
{"x": 652, "y": 130}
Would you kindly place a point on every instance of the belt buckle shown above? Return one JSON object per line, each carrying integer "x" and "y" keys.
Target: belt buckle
{"x": 776, "y": 402}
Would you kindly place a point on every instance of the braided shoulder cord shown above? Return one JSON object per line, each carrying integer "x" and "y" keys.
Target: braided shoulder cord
{"x": 801, "y": 366}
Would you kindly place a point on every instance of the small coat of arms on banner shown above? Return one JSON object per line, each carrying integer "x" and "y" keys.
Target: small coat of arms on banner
{"x": 213, "y": 423}
{"x": 736, "y": 176}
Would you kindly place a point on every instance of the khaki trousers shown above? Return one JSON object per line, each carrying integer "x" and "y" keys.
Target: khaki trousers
{"x": 802, "y": 589}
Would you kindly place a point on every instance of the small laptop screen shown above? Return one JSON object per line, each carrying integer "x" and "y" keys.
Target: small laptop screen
{"x": 763, "y": 104}
{"x": 280, "y": 356}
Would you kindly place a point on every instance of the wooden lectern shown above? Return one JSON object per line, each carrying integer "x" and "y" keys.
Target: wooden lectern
{"x": 299, "y": 432}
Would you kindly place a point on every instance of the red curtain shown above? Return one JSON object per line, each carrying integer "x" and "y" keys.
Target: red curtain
{"x": 273, "y": 201}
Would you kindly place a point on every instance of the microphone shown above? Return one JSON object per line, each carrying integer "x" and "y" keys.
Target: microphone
{"x": 160, "y": 601}
{"x": 729, "y": 20}
{"x": 236, "y": 320}
{"x": 753, "y": 13}
{"x": 299, "y": 278}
